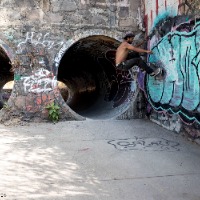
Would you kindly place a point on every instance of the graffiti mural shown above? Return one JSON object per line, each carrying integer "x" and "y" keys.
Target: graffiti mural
{"x": 174, "y": 34}
{"x": 176, "y": 48}
{"x": 35, "y": 82}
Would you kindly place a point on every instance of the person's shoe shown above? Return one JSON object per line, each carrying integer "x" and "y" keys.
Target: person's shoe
{"x": 152, "y": 74}
{"x": 157, "y": 71}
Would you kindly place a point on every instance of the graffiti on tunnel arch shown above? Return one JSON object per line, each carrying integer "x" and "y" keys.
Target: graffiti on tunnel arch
{"x": 178, "y": 52}
{"x": 120, "y": 86}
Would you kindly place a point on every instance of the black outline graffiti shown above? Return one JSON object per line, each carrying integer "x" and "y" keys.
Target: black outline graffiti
{"x": 187, "y": 116}
{"x": 145, "y": 144}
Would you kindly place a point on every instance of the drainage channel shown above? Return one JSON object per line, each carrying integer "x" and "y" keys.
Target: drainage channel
{"x": 89, "y": 82}
{"x": 6, "y": 78}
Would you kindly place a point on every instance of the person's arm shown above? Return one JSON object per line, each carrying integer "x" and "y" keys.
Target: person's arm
{"x": 139, "y": 50}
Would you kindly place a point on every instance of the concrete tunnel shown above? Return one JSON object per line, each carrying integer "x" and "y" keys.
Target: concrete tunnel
{"x": 88, "y": 80}
{"x": 6, "y": 77}
{"x": 93, "y": 87}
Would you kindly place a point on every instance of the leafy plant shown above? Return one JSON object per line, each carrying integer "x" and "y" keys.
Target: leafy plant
{"x": 6, "y": 106}
{"x": 53, "y": 110}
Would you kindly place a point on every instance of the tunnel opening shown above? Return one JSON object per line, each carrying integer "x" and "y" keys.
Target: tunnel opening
{"x": 93, "y": 87}
{"x": 6, "y": 78}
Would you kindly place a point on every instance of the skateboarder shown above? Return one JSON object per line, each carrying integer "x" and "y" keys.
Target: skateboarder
{"x": 123, "y": 62}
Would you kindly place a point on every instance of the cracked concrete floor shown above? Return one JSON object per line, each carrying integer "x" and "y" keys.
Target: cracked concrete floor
{"x": 97, "y": 160}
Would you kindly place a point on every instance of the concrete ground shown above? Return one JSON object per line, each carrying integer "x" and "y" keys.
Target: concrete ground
{"x": 97, "y": 160}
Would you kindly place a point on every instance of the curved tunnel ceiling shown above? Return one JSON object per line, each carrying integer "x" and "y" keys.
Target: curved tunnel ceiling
{"x": 95, "y": 89}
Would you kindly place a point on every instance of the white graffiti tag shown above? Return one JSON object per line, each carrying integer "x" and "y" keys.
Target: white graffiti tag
{"x": 40, "y": 39}
{"x": 41, "y": 81}
{"x": 60, "y": 54}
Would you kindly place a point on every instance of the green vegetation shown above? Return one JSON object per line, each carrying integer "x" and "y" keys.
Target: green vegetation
{"x": 53, "y": 110}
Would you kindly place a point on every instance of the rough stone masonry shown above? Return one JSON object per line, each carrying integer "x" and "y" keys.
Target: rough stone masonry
{"x": 71, "y": 41}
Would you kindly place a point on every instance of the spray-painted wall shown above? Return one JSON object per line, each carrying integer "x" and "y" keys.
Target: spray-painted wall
{"x": 173, "y": 28}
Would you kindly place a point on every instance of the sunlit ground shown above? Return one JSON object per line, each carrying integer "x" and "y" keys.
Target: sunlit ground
{"x": 30, "y": 168}
{"x": 97, "y": 160}
{"x": 8, "y": 85}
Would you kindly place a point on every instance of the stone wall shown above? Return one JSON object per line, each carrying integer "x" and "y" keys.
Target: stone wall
{"x": 63, "y": 17}
{"x": 37, "y": 36}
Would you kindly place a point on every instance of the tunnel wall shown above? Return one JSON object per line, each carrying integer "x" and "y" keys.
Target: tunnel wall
{"x": 173, "y": 28}
{"x": 40, "y": 31}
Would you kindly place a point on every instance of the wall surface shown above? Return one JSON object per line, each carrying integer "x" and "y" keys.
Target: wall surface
{"x": 72, "y": 41}
{"x": 173, "y": 28}
{"x": 45, "y": 41}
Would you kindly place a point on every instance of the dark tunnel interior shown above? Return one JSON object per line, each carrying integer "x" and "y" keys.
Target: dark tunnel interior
{"x": 93, "y": 87}
{"x": 6, "y": 78}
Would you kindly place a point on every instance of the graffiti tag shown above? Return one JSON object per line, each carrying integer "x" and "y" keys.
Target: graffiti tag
{"x": 180, "y": 91}
{"x": 39, "y": 39}
{"x": 41, "y": 81}
{"x": 145, "y": 144}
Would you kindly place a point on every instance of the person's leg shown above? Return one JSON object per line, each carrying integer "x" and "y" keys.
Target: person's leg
{"x": 140, "y": 63}
{"x": 128, "y": 64}
{"x": 148, "y": 69}
{"x": 133, "y": 55}
{"x": 143, "y": 65}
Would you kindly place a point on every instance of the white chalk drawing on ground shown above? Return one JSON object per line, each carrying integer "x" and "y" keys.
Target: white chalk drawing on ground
{"x": 42, "y": 80}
